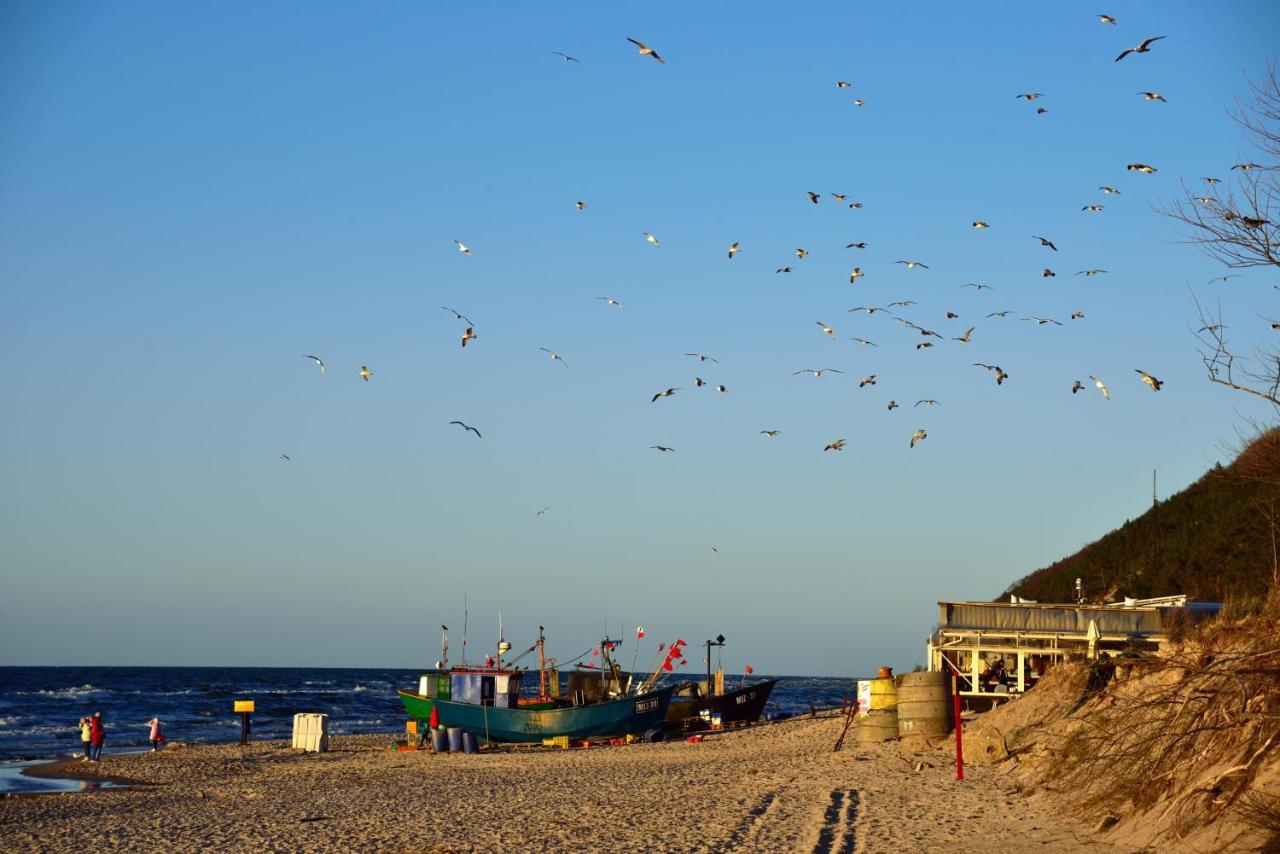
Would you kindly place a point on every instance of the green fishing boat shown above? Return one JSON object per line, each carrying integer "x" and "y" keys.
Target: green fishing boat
{"x": 486, "y": 700}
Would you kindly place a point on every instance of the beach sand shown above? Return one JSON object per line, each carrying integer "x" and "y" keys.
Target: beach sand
{"x": 770, "y": 788}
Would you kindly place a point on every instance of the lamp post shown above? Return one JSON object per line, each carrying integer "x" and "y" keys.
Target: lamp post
{"x": 719, "y": 641}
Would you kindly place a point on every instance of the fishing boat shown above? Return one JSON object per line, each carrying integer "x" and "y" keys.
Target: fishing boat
{"x": 486, "y": 700}
{"x": 743, "y": 706}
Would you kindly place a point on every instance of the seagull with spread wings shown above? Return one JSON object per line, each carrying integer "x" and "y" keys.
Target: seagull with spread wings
{"x": 837, "y": 445}
{"x": 964, "y": 339}
{"x": 666, "y": 393}
{"x": 864, "y": 342}
{"x": 1145, "y": 47}
{"x": 645, "y": 50}
{"x": 770, "y": 433}
{"x": 1102, "y": 387}
{"x": 457, "y": 315}
{"x": 365, "y": 373}
{"x": 555, "y": 357}
{"x": 1044, "y": 241}
{"x": 734, "y": 250}
{"x": 1001, "y": 376}
{"x": 649, "y": 237}
{"x": 614, "y": 302}
{"x": 319, "y": 362}
{"x": 817, "y": 372}
{"x": 1143, "y": 168}
{"x": 663, "y": 448}
{"x": 468, "y": 335}
{"x": 1041, "y": 321}
{"x": 467, "y": 427}
{"x": 918, "y": 436}
{"x": 1149, "y": 380}
{"x": 567, "y": 58}
{"x": 702, "y": 358}
{"x": 831, "y": 333}
{"x": 978, "y": 287}
{"x": 462, "y": 247}
{"x": 911, "y": 265}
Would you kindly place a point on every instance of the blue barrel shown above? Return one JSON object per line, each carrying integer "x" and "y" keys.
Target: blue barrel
{"x": 455, "y": 739}
{"x": 439, "y": 741}
{"x": 469, "y": 743}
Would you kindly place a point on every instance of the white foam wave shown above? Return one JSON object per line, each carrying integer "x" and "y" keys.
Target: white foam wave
{"x": 73, "y": 693}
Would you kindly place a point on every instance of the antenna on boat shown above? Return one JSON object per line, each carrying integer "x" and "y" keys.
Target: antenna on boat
{"x": 444, "y": 648}
{"x": 503, "y": 646}
{"x": 464, "y": 628}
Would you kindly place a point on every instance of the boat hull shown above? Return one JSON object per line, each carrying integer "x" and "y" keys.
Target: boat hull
{"x": 742, "y": 706}
{"x": 628, "y": 716}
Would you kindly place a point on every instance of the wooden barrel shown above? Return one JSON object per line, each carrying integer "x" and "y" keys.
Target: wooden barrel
{"x": 924, "y": 704}
{"x": 878, "y": 725}
{"x": 884, "y": 693}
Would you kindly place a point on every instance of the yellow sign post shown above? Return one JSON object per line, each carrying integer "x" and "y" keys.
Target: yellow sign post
{"x": 244, "y": 708}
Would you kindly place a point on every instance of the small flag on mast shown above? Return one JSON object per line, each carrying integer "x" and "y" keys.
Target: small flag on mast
{"x": 639, "y": 632}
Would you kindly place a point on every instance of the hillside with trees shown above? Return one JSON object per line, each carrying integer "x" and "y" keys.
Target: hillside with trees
{"x": 1216, "y": 540}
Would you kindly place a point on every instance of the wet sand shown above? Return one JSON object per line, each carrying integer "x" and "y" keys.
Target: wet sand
{"x": 771, "y": 788}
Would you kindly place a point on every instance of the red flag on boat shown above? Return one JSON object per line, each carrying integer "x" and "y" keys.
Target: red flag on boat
{"x": 639, "y": 632}
{"x": 666, "y": 665}
{"x": 595, "y": 652}
{"x": 748, "y": 670}
{"x": 683, "y": 662}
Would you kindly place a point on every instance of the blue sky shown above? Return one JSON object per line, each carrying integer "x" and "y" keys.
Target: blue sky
{"x": 192, "y": 197}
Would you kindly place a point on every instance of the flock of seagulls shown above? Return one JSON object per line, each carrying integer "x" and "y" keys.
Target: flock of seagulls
{"x": 894, "y": 311}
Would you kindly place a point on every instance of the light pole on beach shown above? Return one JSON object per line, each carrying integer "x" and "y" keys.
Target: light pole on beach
{"x": 719, "y": 641}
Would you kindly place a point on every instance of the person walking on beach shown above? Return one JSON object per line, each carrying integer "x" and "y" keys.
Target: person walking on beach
{"x": 157, "y": 734}
{"x": 97, "y": 735}
{"x": 86, "y": 738}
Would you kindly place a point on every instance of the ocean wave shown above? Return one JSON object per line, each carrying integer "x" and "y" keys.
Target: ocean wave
{"x": 10, "y": 720}
{"x": 73, "y": 693}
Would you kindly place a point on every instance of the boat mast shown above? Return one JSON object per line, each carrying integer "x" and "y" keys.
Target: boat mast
{"x": 542, "y": 666}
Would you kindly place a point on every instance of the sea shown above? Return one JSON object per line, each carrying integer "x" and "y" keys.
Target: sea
{"x": 40, "y": 707}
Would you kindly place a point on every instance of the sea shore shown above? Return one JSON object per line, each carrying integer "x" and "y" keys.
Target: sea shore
{"x": 770, "y": 788}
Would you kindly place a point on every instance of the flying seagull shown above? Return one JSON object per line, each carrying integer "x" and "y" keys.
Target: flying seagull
{"x": 1047, "y": 273}
{"x": 284, "y": 457}
{"x": 612, "y": 301}
{"x": 817, "y": 372}
{"x": 649, "y": 237}
{"x": 1110, "y": 190}
{"x": 1076, "y": 385}
{"x": 837, "y": 445}
{"x": 666, "y": 393}
{"x": 1153, "y": 96}
{"x": 1245, "y": 167}
{"x": 918, "y": 436}
{"x": 1090, "y": 273}
{"x": 860, "y": 245}
{"x": 662, "y": 448}
{"x": 964, "y": 339}
{"x": 319, "y": 362}
{"x": 867, "y": 380}
{"x": 1004, "y": 313}
{"x": 978, "y": 287}
{"x": 722, "y": 389}
{"x": 1102, "y": 387}
{"x": 1001, "y": 376}
{"x": 783, "y": 270}
{"x": 365, "y": 373}
{"x": 1142, "y": 167}
{"x": 580, "y": 205}
{"x": 468, "y": 335}
{"x": 1041, "y": 321}
{"x": 554, "y": 356}
{"x": 1142, "y": 48}
{"x": 462, "y": 247}
{"x": 858, "y": 102}
{"x": 827, "y": 329}
{"x": 467, "y": 427}
{"x": 702, "y": 358}
{"x": 457, "y": 316}
{"x": 843, "y": 84}
{"x": 567, "y": 58}
{"x": 1149, "y": 380}
{"x": 1106, "y": 19}
{"x": 801, "y": 253}
{"x": 699, "y": 382}
{"x": 1091, "y": 208}
{"x": 977, "y": 223}
{"x": 855, "y": 275}
{"x": 733, "y": 250}
{"x": 813, "y": 197}
{"x": 548, "y": 507}
{"x": 864, "y": 342}
{"x": 1029, "y": 96}
{"x": 1044, "y": 241}
{"x": 770, "y": 433}
{"x": 911, "y": 265}
{"x": 645, "y": 50}
{"x": 870, "y": 309}
{"x": 893, "y": 404}
{"x": 927, "y": 402}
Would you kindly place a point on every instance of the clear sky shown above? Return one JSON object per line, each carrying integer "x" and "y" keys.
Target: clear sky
{"x": 191, "y": 196}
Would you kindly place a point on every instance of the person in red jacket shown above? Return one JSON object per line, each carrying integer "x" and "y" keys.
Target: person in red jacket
{"x": 97, "y": 735}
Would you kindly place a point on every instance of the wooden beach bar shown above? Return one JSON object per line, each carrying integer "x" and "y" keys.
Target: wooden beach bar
{"x": 998, "y": 650}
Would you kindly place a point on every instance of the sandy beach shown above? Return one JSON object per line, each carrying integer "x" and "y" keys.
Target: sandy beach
{"x": 772, "y": 788}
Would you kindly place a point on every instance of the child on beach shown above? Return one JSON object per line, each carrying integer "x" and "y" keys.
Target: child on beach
{"x": 86, "y": 738}
{"x": 157, "y": 734}
{"x": 97, "y": 735}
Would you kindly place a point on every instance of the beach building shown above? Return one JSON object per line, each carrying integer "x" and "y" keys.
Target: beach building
{"x": 998, "y": 650}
